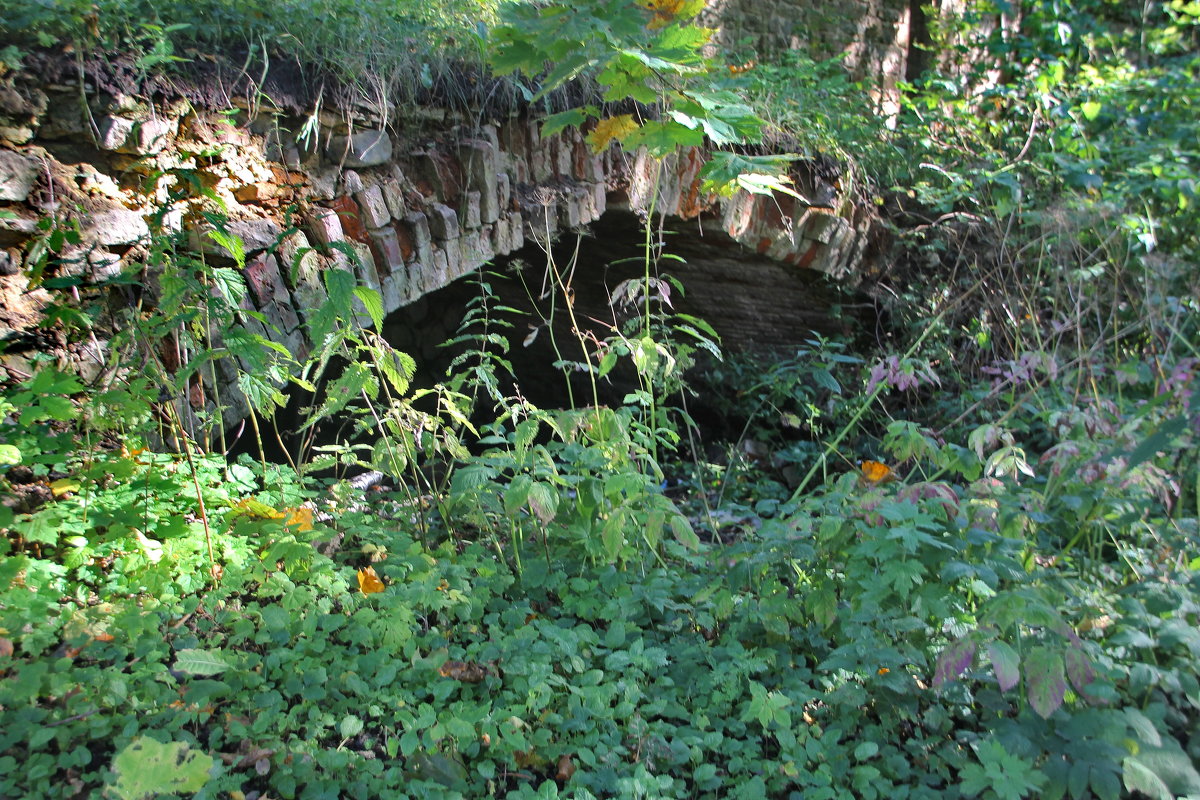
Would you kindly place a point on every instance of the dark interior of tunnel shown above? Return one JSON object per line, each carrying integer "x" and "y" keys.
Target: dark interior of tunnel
{"x": 754, "y": 304}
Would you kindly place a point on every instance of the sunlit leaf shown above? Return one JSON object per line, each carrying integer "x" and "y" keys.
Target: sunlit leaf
{"x": 610, "y": 128}
{"x": 369, "y": 582}
{"x": 147, "y": 768}
{"x": 201, "y": 662}
{"x": 64, "y": 486}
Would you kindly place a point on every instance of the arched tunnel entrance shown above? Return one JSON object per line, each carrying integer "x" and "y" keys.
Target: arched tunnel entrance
{"x": 755, "y": 305}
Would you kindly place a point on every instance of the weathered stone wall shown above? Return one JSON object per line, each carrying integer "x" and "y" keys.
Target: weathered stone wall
{"x": 875, "y": 36}
{"x": 407, "y": 208}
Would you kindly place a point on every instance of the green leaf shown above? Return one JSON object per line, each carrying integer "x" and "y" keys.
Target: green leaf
{"x": 1140, "y": 778}
{"x": 1172, "y": 766}
{"x": 543, "y": 501}
{"x": 1045, "y": 680}
{"x": 146, "y": 768}
{"x": 866, "y": 750}
{"x": 684, "y": 533}
{"x": 201, "y": 662}
{"x": 231, "y": 244}
{"x": 1005, "y": 663}
{"x": 350, "y": 726}
{"x": 373, "y": 302}
{"x": 1091, "y": 109}
{"x": 350, "y": 385}
{"x": 9, "y": 454}
{"x": 439, "y": 768}
{"x": 563, "y": 119}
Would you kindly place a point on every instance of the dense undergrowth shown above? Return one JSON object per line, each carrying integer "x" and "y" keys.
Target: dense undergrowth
{"x": 966, "y": 563}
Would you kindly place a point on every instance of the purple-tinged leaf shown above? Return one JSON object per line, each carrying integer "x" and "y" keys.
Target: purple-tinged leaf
{"x": 1006, "y": 664}
{"x": 1079, "y": 670}
{"x": 1044, "y": 680}
{"x": 954, "y": 661}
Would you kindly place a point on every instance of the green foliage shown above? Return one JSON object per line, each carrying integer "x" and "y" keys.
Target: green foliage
{"x": 999, "y": 600}
{"x": 649, "y": 53}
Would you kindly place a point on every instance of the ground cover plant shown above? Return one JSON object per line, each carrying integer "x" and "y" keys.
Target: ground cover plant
{"x": 965, "y": 563}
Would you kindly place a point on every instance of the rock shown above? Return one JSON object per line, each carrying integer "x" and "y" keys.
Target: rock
{"x": 471, "y": 219}
{"x": 373, "y": 207}
{"x": 18, "y": 173}
{"x": 115, "y": 132}
{"x": 385, "y": 245}
{"x": 256, "y": 234}
{"x": 10, "y": 262}
{"x": 443, "y": 222}
{"x": 363, "y": 149}
{"x": 325, "y": 225}
{"x": 16, "y": 231}
{"x": 117, "y": 227}
{"x": 153, "y": 136}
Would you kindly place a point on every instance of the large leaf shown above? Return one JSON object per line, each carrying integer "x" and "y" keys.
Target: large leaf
{"x": 1045, "y": 680}
{"x": 954, "y": 661}
{"x": 201, "y": 662}
{"x": 146, "y": 768}
{"x": 1169, "y": 764}
{"x": 1005, "y": 663}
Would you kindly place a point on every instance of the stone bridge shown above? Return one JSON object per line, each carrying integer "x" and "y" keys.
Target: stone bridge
{"x": 420, "y": 204}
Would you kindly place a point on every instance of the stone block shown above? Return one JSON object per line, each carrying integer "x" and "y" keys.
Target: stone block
{"x": 443, "y": 222}
{"x": 18, "y": 173}
{"x": 103, "y": 265}
{"x": 351, "y": 218}
{"x": 115, "y": 132}
{"x": 562, "y": 156}
{"x": 504, "y": 192}
{"x": 453, "y": 250}
{"x": 395, "y": 290}
{"x": 325, "y": 225}
{"x": 470, "y": 211}
{"x": 393, "y": 196}
{"x": 599, "y": 199}
{"x": 117, "y": 227}
{"x": 385, "y": 246}
{"x": 487, "y": 248}
{"x": 516, "y": 231}
{"x": 439, "y": 275}
{"x": 373, "y": 207}
{"x": 481, "y": 165}
{"x": 10, "y": 261}
{"x": 256, "y": 234}
{"x": 368, "y": 148}
{"x": 418, "y": 225}
{"x": 153, "y": 136}
{"x": 820, "y": 225}
{"x": 301, "y": 268}
{"x": 264, "y": 281}
{"x": 351, "y": 182}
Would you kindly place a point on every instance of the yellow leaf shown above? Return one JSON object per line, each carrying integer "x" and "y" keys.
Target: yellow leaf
{"x": 874, "y": 472}
{"x": 299, "y": 518}
{"x": 611, "y": 128}
{"x": 253, "y": 508}
{"x": 368, "y": 581}
{"x": 64, "y": 486}
{"x": 665, "y": 12}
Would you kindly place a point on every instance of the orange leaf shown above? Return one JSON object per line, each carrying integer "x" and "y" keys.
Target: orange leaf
{"x": 368, "y": 581}
{"x": 874, "y": 472}
{"x": 299, "y": 518}
{"x": 611, "y": 128}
